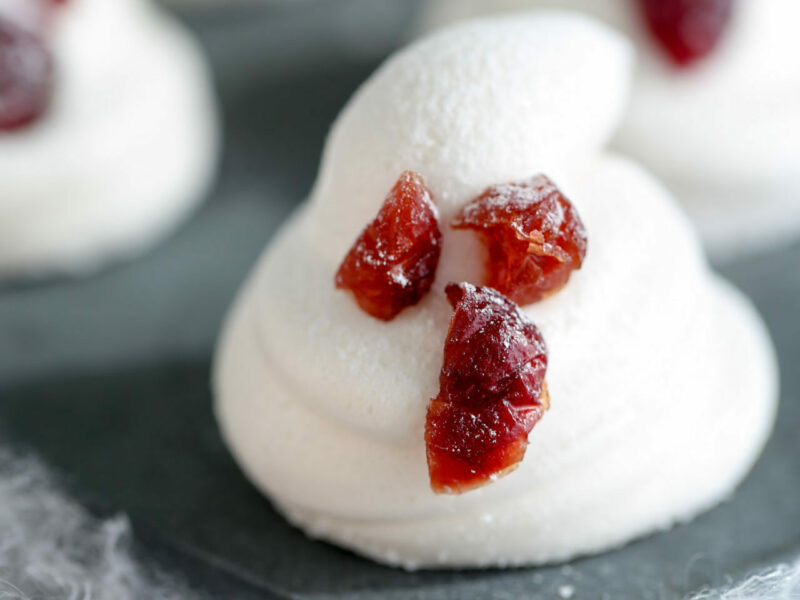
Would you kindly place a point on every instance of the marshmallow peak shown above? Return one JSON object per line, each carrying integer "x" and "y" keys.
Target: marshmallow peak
{"x": 723, "y": 134}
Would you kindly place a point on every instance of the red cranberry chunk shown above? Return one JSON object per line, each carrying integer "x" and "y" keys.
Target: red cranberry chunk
{"x": 26, "y": 76}
{"x": 687, "y": 30}
{"x": 534, "y": 237}
{"x": 492, "y": 391}
{"x": 393, "y": 262}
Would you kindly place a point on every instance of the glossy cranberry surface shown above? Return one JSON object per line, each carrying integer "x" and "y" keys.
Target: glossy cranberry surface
{"x": 534, "y": 237}
{"x": 492, "y": 391}
{"x": 26, "y": 76}
{"x": 393, "y": 262}
{"x": 687, "y": 30}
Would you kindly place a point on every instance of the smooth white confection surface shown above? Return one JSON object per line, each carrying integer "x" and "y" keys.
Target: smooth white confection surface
{"x": 126, "y": 149}
{"x": 724, "y": 134}
{"x": 662, "y": 379}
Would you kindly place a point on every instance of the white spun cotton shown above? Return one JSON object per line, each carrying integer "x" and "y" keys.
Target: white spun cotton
{"x": 781, "y": 582}
{"x": 51, "y": 548}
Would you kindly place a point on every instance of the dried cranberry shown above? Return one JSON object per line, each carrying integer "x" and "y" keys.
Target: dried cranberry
{"x": 393, "y": 262}
{"x": 492, "y": 391}
{"x": 688, "y": 30}
{"x": 26, "y": 76}
{"x": 534, "y": 236}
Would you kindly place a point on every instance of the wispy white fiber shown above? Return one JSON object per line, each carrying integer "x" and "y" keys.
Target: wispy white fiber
{"x": 781, "y": 582}
{"x": 52, "y": 549}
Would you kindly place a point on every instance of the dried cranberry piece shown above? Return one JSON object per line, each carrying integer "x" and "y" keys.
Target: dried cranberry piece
{"x": 492, "y": 391}
{"x": 393, "y": 262}
{"x": 534, "y": 236}
{"x": 688, "y": 30}
{"x": 26, "y": 76}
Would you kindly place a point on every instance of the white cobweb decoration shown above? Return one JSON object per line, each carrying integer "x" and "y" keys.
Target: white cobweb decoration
{"x": 52, "y": 549}
{"x": 776, "y": 583}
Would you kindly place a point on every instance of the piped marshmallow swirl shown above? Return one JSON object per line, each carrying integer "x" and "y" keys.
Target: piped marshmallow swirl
{"x": 652, "y": 360}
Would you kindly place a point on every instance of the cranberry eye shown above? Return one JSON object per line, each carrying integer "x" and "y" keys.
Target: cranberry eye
{"x": 492, "y": 391}
{"x": 393, "y": 262}
{"x": 687, "y": 30}
{"x": 26, "y": 77}
{"x": 534, "y": 236}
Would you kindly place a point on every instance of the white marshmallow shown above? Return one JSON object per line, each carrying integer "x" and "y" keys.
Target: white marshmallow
{"x": 126, "y": 149}
{"x": 662, "y": 379}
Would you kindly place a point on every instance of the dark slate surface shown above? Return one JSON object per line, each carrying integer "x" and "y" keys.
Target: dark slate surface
{"x": 107, "y": 378}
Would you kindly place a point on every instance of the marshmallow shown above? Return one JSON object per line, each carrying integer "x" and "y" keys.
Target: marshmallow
{"x": 662, "y": 378}
{"x": 127, "y": 148}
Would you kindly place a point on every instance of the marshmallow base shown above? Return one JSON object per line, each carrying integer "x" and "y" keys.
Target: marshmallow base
{"x": 663, "y": 389}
